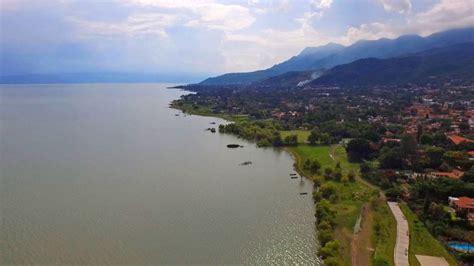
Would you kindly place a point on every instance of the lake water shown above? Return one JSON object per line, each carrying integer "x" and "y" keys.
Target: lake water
{"x": 108, "y": 174}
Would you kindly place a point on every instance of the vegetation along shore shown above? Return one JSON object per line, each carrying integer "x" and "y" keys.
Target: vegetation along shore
{"x": 359, "y": 160}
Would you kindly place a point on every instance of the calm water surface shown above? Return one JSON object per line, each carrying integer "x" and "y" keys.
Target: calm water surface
{"x": 108, "y": 174}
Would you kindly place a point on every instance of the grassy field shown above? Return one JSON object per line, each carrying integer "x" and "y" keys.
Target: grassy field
{"x": 302, "y": 135}
{"x": 385, "y": 230}
{"x": 421, "y": 241}
{"x": 351, "y": 195}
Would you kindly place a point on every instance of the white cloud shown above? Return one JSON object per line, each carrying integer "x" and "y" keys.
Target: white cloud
{"x": 447, "y": 14}
{"x": 244, "y": 52}
{"x": 321, "y": 4}
{"x": 134, "y": 25}
{"x": 208, "y": 14}
{"x": 444, "y": 15}
{"x": 400, "y": 6}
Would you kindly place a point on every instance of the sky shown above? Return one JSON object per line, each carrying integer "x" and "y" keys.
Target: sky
{"x": 194, "y": 36}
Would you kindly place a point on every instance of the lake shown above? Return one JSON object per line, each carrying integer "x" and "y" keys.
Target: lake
{"x": 109, "y": 174}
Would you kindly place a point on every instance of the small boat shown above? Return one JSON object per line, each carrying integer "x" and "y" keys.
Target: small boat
{"x": 294, "y": 177}
{"x": 292, "y": 174}
{"x": 212, "y": 123}
{"x": 246, "y": 163}
{"x": 176, "y": 115}
{"x": 213, "y": 130}
{"x": 303, "y": 193}
{"x": 232, "y": 146}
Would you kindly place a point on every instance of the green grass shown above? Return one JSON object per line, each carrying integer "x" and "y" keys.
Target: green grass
{"x": 305, "y": 152}
{"x": 385, "y": 230}
{"x": 302, "y": 135}
{"x": 421, "y": 241}
{"x": 351, "y": 195}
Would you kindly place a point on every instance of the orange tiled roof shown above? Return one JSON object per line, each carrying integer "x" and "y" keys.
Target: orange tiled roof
{"x": 458, "y": 139}
{"x": 465, "y": 203}
{"x": 455, "y": 174}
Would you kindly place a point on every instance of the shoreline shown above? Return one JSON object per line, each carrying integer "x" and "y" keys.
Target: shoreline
{"x": 341, "y": 234}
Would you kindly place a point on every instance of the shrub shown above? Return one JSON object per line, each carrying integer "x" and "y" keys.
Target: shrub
{"x": 331, "y": 261}
{"x": 325, "y": 236}
{"x": 330, "y": 249}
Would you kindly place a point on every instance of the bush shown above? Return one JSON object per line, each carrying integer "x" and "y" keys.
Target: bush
{"x": 380, "y": 261}
{"x": 351, "y": 176}
{"x": 317, "y": 196}
{"x": 330, "y": 249}
{"x": 332, "y": 261}
{"x": 325, "y": 236}
{"x": 324, "y": 225}
{"x": 327, "y": 190}
{"x": 328, "y": 173}
{"x": 338, "y": 175}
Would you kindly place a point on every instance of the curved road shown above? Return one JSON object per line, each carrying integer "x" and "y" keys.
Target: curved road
{"x": 400, "y": 254}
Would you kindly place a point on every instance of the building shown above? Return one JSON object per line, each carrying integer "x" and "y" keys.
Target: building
{"x": 463, "y": 204}
{"x": 456, "y": 139}
{"x": 455, "y": 174}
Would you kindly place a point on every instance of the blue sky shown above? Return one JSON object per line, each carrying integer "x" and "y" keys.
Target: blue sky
{"x": 70, "y": 36}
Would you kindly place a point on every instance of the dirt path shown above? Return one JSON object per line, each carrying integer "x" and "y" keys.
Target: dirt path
{"x": 361, "y": 245}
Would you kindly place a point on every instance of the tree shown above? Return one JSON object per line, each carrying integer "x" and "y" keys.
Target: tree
{"x": 276, "y": 139}
{"x": 328, "y": 173}
{"x": 358, "y": 150}
{"x": 291, "y": 140}
{"x": 338, "y": 175}
{"x": 469, "y": 175}
{"x": 435, "y": 156}
{"x": 351, "y": 176}
{"x": 426, "y": 139}
{"x": 330, "y": 249}
{"x": 409, "y": 148}
{"x": 454, "y": 157}
{"x": 313, "y": 137}
{"x": 391, "y": 158}
{"x": 327, "y": 190}
{"x": 312, "y": 165}
{"x": 325, "y": 138}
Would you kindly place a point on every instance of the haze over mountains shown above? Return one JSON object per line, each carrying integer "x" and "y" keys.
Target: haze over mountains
{"x": 331, "y": 55}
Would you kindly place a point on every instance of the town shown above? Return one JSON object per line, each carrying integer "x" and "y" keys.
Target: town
{"x": 414, "y": 142}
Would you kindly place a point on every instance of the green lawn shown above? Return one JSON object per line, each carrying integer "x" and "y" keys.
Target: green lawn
{"x": 385, "y": 231}
{"x": 302, "y": 135}
{"x": 319, "y": 152}
{"x": 421, "y": 241}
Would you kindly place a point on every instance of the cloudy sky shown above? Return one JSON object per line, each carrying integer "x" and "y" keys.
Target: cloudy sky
{"x": 194, "y": 36}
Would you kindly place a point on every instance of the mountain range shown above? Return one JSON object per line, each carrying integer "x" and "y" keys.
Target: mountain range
{"x": 331, "y": 55}
{"x": 440, "y": 65}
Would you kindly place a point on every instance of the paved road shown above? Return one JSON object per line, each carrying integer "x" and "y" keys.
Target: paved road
{"x": 403, "y": 238}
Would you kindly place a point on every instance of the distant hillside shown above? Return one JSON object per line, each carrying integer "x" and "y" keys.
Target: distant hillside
{"x": 289, "y": 79}
{"x": 439, "y": 64}
{"x": 325, "y": 57}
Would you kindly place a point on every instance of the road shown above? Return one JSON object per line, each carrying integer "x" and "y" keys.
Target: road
{"x": 400, "y": 254}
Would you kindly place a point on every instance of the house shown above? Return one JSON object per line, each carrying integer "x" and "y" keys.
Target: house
{"x": 456, "y": 139}
{"x": 455, "y": 174}
{"x": 463, "y": 204}
{"x": 386, "y": 140}
{"x": 471, "y": 155}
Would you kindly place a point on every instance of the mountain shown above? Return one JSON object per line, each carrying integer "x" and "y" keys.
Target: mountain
{"x": 328, "y": 56}
{"x": 434, "y": 65}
